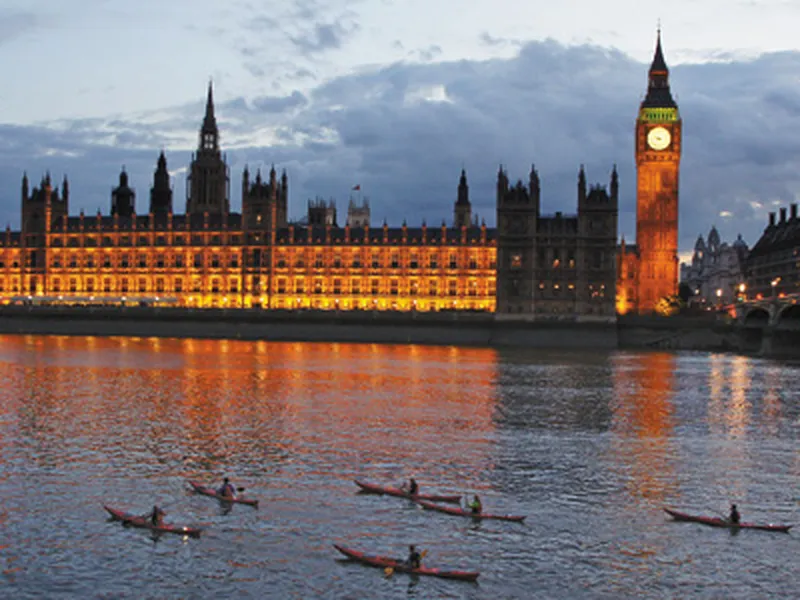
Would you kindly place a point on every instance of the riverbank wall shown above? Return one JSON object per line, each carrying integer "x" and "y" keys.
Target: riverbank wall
{"x": 442, "y": 328}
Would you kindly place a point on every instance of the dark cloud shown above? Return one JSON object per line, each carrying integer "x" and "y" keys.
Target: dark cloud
{"x": 404, "y": 131}
{"x": 13, "y": 25}
{"x": 321, "y": 38}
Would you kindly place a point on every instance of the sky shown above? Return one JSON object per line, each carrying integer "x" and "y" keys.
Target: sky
{"x": 398, "y": 96}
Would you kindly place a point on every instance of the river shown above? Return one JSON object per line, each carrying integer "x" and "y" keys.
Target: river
{"x": 590, "y": 446}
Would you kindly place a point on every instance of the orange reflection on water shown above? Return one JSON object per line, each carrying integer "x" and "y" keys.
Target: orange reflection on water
{"x": 643, "y": 422}
{"x": 213, "y": 402}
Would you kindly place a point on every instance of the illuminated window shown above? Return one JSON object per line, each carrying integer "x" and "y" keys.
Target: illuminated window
{"x": 473, "y": 262}
{"x": 516, "y": 260}
{"x": 452, "y": 288}
{"x": 142, "y": 285}
{"x": 215, "y": 261}
{"x": 355, "y": 285}
{"x": 414, "y": 263}
{"x": 318, "y": 261}
{"x": 356, "y": 262}
{"x": 473, "y": 288}
{"x": 160, "y": 261}
{"x": 142, "y": 261}
{"x": 179, "y": 261}
{"x": 178, "y": 284}
{"x": 318, "y": 286}
{"x": 337, "y": 286}
{"x": 281, "y": 285}
{"x": 125, "y": 285}
{"x": 434, "y": 263}
{"x": 90, "y": 262}
{"x": 337, "y": 261}
{"x": 393, "y": 287}
{"x": 233, "y": 286}
{"x": 215, "y": 286}
{"x": 374, "y": 287}
{"x": 73, "y": 284}
{"x": 433, "y": 288}
{"x": 106, "y": 285}
{"x": 197, "y": 286}
{"x": 90, "y": 285}
{"x": 395, "y": 261}
{"x": 160, "y": 284}
{"x": 413, "y": 288}
{"x": 73, "y": 261}
{"x": 453, "y": 261}
{"x": 56, "y": 285}
{"x": 375, "y": 261}
{"x": 299, "y": 287}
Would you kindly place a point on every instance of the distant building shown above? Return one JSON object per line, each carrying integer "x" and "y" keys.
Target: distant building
{"x": 773, "y": 266}
{"x": 717, "y": 270}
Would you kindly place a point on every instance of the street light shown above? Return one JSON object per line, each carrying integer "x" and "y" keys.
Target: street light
{"x": 742, "y": 290}
{"x": 774, "y": 283}
{"x": 719, "y": 296}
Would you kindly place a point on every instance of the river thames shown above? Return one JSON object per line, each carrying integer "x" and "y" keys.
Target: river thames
{"x": 590, "y": 446}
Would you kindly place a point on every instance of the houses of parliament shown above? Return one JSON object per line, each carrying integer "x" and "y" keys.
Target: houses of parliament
{"x": 530, "y": 266}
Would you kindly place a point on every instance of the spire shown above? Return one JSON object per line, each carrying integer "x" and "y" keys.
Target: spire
{"x": 658, "y": 92}
{"x": 463, "y": 190}
{"x": 659, "y": 64}
{"x": 209, "y": 121}
{"x": 162, "y": 161}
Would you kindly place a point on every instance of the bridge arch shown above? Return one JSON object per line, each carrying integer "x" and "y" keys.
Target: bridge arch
{"x": 789, "y": 318}
{"x": 756, "y": 317}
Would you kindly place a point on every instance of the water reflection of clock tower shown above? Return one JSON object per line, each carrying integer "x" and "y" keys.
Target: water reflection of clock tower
{"x": 658, "y": 155}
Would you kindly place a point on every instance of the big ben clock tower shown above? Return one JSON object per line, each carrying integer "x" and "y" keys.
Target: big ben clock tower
{"x": 658, "y": 157}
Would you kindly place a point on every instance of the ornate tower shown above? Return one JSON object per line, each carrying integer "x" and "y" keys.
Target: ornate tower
{"x": 161, "y": 192}
{"x": 658, "y": 157}
{"x": 517, "y": 215}
{"x": 462, "y": 212}
{"x": 208, "y": 182}
{"x": 123, "y": 198}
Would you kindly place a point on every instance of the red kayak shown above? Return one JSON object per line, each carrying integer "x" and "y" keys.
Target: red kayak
{"x": 393, "y": 491}
{"x": 450, "y": 510}
{"x": 208, "y": 491}
{"x": 145, "y": 523}
{"x": 719, "y": 522}
{"x": 401, "y": 567}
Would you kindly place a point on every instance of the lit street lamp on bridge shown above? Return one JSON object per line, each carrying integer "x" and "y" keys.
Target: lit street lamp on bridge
{"x": 774, "y": 283}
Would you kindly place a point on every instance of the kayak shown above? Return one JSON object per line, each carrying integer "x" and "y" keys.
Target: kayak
{"x": 145, "y": 523}
{"x": 719, "y": 522}
{"x": 450, "y": 510}
{"x": 393, "y": 491}
{"x": 208, "y": 491}
{"x": 401, "y": 567}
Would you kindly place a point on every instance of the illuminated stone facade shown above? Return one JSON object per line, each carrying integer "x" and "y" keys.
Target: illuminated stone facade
{"x": 648, "y": 271}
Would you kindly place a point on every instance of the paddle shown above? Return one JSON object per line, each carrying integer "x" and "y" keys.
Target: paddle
{"x": 389, "y": 571}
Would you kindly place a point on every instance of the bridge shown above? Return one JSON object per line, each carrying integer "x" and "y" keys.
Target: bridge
{"x": 770, "y": 326}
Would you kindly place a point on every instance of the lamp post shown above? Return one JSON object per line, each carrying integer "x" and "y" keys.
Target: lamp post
{"x": 719, "y": 297}
{"x": 774, "y": 283}
{"x": 742, "y": 290}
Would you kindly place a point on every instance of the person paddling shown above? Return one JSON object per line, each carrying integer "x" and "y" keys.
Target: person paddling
{"x": 413, "y": 488}
{"x": 475, "y": 505}
{"x": 414, "y": 560}
{"x": 227, "y": 490}
{"x": 156, "y": 517}
{"x": 734, "y": 517}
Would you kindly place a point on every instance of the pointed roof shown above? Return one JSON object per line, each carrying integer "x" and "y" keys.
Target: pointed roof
{"x": 658, "y": 92}
{"x": 659, "y": 65}
{"x": 209, "y": 120}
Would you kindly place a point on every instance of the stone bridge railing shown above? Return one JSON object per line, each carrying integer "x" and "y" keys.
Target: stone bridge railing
{"x": 773, "y": 313}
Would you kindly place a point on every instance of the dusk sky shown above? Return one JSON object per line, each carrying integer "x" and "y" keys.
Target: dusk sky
{"x": 398, "y": 95}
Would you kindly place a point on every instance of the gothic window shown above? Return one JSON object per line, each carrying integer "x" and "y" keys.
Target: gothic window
{"x": 160, "y": 284}
{"x": 233, "y": 286}
{"x": 355, "y": 286}
{"x": 56, "y": 285}
{"x": 374, "y": 289}
{"x": 73, "y": 284}
{"x": 73, "y": 261}
{"x": 318, "y": 286}
{"x": 142, "y": 261}
{"x": 337, "y": 286}
{"x": 160, "y": 261}
{"x": 414, "y": 262}
{"x": 453, "y": 261}
{"x": 473, "y": 262}
{"x": 299, "y": 287}
{"x": 197, "y": 285}
{"x": 395, "y": 261}
{"x": 473, "y": 288}
{"x": 452, "y": 287}
{"x": 516, "y": 260}
{"x": 198, "y": 261}
{"x": 107, "y": 261}
{"x": 178, "y": 284}
{"x": 433, "y": 288}
{"x": 413, "y": 288}
{"x": 375, "y": 261}
{"x": 318, "y": 261}
{"x": 234, "y": 261}
{"x": 106, "y": 285}
{"x": 393, "y": 287}
{"x": 142, "y": 285}
{"x": 179, "y": 261}
{"x": 337, "y": 261}
{"x": 434, "y": 264}
{"x": 90, "y": 262}
{"x": 215, "y": 286}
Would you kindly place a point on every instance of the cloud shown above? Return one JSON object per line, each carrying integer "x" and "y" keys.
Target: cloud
{"x": 403, "y": 131}
{"x": 13, "y": 25}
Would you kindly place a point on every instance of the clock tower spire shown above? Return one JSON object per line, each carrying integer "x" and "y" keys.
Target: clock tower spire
{"x": 658, "y": 156}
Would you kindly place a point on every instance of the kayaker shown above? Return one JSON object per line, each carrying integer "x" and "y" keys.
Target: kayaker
{"x": 414, "y": 560}
{"x": 156, "y": 516}
{"x": 475, "y": 505}
{"x": 413, "y": 488}
{"x": 227, "y": 490}
{"x": 734, "y": 518}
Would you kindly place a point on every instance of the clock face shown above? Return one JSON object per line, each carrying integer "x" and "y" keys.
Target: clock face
{"x": 658, "y": 138}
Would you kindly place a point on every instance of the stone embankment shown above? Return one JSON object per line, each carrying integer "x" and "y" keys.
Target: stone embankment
{"x": 443, "y": 328}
